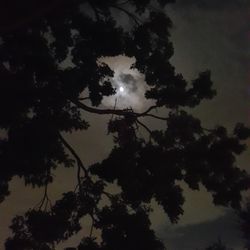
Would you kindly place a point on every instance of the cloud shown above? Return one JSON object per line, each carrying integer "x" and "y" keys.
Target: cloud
{"x": 213, "y": 4}
{"x": 131, "y": 80}
{"x": 201, "y": 235}
{"x": 212, "y": 35}
{"x": 217, "y": 39}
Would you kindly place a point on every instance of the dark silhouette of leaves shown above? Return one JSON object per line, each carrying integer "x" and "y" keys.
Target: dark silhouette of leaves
{"x": 51, "y": 55}
{"x": 218, "y": 246}
{"x": 244, "y": 215}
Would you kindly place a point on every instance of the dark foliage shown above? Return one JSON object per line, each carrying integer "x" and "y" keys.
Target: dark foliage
{"x": 40, "y": 100}
{"x": 218, "y": 246}
{"x": 244, "y": 215}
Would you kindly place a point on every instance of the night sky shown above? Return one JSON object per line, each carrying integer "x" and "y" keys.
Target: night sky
{"x": 207, "y": 34}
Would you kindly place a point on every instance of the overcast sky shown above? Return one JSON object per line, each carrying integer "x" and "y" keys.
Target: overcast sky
{"x": 213, "y": 35}
{"x": 207, "y": 34}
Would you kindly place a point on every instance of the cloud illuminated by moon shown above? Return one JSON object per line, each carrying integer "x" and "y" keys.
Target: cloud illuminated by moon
{"x": 129, "y": 84}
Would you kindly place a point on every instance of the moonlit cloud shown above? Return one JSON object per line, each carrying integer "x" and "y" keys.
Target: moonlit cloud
{"x": 129, "y": 84}
{"x": 207, "y": 34}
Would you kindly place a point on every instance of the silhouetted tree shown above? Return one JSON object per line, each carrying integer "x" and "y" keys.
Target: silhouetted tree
{"x": 218, "y": 246}
{"x": 40, "y": 100}
{"x": 244, "y": 215}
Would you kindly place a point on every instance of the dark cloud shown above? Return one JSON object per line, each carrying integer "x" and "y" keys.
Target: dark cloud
{"x": 213, "y": 35}
{"x": 199, "y": 236}
{"x": 215, "y": 39}
{"x": 213, "y": 4}
{"x": 129, "y": 81}
{"x": 208, "y": 34}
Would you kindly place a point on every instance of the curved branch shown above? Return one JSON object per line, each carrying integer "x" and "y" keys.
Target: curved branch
{"x": 148, "y": 110}
{"x": 92, "y": 225}
{"x": 132, "y": 16}
{"x": 79, "y": 177}
{"x": 144, "y": 126}
{"x": 122, "y": 3}
{"x": 99, "y": 111}
{"x": 155, "y": 116}
{"x": 45, "y": 200}
{"x": 119, "y": 112}
{"x": 72, "y": 151}
{"x": 96, "y": 11}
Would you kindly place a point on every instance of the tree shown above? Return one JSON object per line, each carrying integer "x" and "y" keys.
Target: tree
{"x": 218, "y": 246}
{"x": 244, "y": 215}
{"x": 40, "y": 101}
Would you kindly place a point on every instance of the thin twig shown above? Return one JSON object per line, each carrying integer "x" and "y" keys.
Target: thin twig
{"x": 45, "y": 200}
{"x": 123, "y": 3}
{"x": 79, "y": 177}
{"x": 83, "y": 98}
{"x": 148, "y": 110}
{"x": 92, "y": 225}
{"x": 156, "y": 117}
{"x": 110, "y": 196}
{"x": 144, "y": 126}
{"x": 95, "y": 11}
{"x": 114, "y": 109}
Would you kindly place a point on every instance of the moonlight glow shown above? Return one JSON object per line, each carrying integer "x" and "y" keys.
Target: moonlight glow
{"x": 121, "y": 89}
{"x": 129, "y": 85}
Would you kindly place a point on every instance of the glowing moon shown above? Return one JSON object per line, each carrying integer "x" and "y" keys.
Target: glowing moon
{"x": 129, "y": 85}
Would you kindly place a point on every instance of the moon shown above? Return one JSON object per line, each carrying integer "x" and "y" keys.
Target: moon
{"x": 129, "y": 84}
{"x": 121, "y": 89}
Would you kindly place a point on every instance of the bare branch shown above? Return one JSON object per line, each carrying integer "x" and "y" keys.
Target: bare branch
{"x": 114, "y": 109}
{"x": 92, "y": 225}
{"x": 155, "y": 116}
{"x": 45, "y": 201}
{"x": 110, "y": 196}
{"x": 96, "y": 11}
{"x": 148, "y": 110}
{"x": 72, "y": 151}
{"x": 123, "y": 3}
{"x": 79, "y": 177}
{"x": 131, "y": 15}
{"x": 119, "y": 112}
{"x": 83, "y": 98}
{"x": 144, "y": 126}
{"x": 99, "y": 111}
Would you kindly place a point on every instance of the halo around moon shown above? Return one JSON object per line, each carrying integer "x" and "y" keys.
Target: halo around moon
{"x": 129, "y": 85}
{"x": 121, "y": 89}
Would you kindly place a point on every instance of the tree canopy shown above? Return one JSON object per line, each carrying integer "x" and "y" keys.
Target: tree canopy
{"x": 244, "y": 215}
{"x": 40, "y": 101}
{"x": 218, "y": 246}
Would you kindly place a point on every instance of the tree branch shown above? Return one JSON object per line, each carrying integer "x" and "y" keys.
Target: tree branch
{"x": 83, "y": 98}
{"x": 132, "y": 16}
{"x": 96, "y": 11}
{"x": 155, "y": 116}
{"x": 144, "y": 126}
{"x": 124, "y": 2}
{"x": 92, "y": 225}
{"x": 45, "y": 200}
{"x": 72, "y": 151}
{"x": 99, "y": 111}
{"x": 148, "y": 110}
{"x": 119, "y": 112}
